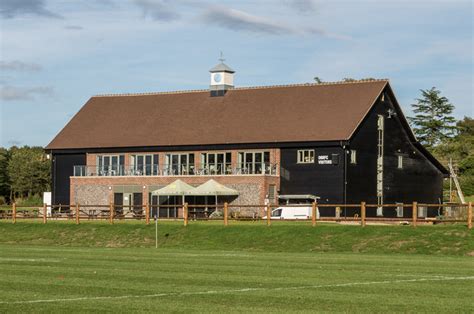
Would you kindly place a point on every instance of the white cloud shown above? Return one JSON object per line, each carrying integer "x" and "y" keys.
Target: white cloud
{"x": 14, "y": 8}
{"x": 238, "y": 20}
{"x": 14, "y": 93}
{"x": 16, "y": 65}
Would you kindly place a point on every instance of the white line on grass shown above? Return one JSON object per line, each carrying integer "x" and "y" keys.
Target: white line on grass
{"x": 30, "y": 260}
{"x": 237, "y": 290}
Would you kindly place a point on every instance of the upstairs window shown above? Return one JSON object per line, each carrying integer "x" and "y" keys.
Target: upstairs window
{"x": 179, "y": 164}
{"x": 216, "y": 163}
{"x": 110, "y": 165}
{"x": 254, "y": 163}
{"x": 400, "y": 162}
{"x": 353, "y": 156}
{"x": 144, "y": 164}
{"x": 305, "y": 156}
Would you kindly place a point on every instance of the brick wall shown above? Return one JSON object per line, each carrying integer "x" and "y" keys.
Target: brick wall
{"x": 91, "y": 159}
{"x": 99, "y": 190}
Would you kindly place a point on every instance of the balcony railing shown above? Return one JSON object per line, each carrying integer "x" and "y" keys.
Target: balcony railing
{"x": 179, "y": 170}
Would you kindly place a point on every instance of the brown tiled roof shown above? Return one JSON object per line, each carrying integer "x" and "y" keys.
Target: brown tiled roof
{"x": 290, "y": 113}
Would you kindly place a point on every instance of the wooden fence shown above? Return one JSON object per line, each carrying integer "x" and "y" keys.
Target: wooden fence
{"x": 187, "y": 212}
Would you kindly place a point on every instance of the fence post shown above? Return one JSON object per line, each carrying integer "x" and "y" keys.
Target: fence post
{"x": 147, "y": 213}
{"x": 44, "y": 212}
{"x": 269, "y": 214}
{"x": 469, "y": 215}
{"x": 77, "y": 213}
{"x": 185, "y": 214}
{"x": 226, "y": 213}
{"x": 111, "y": 216}
{"x": 313, "y": 214}
{"x": 362, "y": 213}
{"x": 14, "y": 212}
{"x": 414, "y": 213}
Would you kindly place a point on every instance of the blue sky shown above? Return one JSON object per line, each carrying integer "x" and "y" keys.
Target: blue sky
{"x": 57, "y": 54}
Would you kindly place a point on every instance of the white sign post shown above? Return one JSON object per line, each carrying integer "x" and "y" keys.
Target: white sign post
{"x": 47, "y": 201}
{"x": 156, "y": 230}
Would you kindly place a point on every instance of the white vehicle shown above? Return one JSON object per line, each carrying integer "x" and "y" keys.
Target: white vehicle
{"x": 303, "y": 212}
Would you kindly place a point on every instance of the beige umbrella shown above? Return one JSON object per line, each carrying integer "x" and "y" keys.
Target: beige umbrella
{"x": 212, "y": 187}
{"x": 176, "y": 188}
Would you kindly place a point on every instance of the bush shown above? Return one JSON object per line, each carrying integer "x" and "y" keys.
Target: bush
{"x": 34, "y": 200}
{"x": 467, "y": 184}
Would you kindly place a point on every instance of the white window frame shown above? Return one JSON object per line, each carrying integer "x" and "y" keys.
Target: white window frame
{"x": 422, "y": 211}
{"x": 400, "y": 162}
{"x": 254, "y": 166}
{"x": 181, "y": 167}
{"x": 353, "y": 156}
{"x": 399, "y": 210}
{"x": 272, "y": 192}
{"x": 305, "y": 156}
{"x": 224, "y": 167}
{"x": 110, "y": 169}
{"x": 153, "y": 170}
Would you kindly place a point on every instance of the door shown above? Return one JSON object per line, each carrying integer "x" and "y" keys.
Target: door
{"x": 137, "y": 203}
{"x": 127, "y": 201}
{"x": 118, "y": 201}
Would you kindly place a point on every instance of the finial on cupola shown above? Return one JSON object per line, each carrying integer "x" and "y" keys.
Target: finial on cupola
{"x": 222, "y": 78}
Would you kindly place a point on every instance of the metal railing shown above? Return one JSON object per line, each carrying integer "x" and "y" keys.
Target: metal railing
{"x": 261, "y": 168}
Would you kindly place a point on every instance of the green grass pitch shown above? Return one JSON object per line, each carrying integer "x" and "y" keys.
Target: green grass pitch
{"x": 62, "y": 278}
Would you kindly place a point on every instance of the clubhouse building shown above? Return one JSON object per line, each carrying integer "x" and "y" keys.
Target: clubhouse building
{"x": 344, "y": 142}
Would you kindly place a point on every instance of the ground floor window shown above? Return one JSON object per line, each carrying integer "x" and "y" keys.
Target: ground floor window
{"x": 170, "y": 206}
{"x": 399, "y": 209}
{"x": 128, "y": 203}
{"x": 271, "y": 192}
{"x": 422, "y": 211}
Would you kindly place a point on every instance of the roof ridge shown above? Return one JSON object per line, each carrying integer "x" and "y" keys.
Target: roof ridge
{"x": 315, "y": 84}
{"x": 245, "y": 88}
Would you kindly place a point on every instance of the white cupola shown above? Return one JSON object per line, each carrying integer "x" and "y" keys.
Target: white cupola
{"x": 222, "y": 76}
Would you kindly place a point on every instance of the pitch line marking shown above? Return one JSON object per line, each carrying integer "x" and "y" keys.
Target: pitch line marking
{"x": 45, "y": 260}
{"x": 178, "y": 294}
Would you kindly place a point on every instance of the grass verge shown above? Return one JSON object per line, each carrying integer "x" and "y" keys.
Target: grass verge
{"x": 245, "y": 236}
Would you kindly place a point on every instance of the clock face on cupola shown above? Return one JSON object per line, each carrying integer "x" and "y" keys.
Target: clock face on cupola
{"x": 222, "y": 76}
{"x": 217, "y": 77}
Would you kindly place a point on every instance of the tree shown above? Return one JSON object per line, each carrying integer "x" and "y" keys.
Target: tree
{"x": 29, "y": 171}
{"x": 460, "y": 149}
{"x": 433, "y": 122}
{"x": 317, "y": 80}
{"x": 4, "y": 180}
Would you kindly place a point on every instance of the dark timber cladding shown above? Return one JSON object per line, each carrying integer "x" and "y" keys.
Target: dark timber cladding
{"x": 324, "y": 179}
{"x": 62, "y": 169}
{"x": 418, "y": 177}
{"x": 328, "y": 137}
